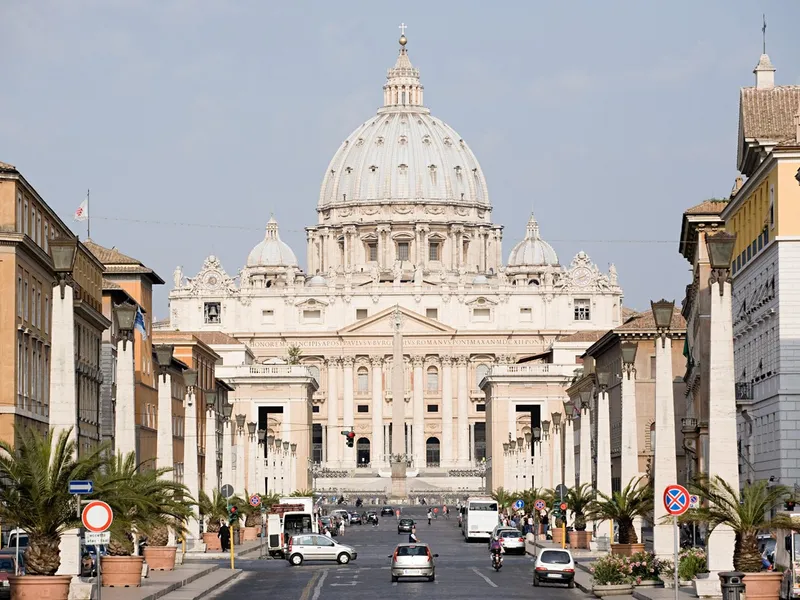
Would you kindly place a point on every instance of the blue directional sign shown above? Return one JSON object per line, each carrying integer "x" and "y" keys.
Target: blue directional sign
{"x": 81, "y": 488}
{"x": 519, "y": 505}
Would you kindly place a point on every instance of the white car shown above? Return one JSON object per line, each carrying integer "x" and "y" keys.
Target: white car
{"x": 317, "y": 547}
{"x": 512, "y": 540}
{"x": 554, "y": 566}
{"x": 341, "y": 514}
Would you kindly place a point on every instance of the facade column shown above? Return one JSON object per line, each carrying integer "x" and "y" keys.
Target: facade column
{"x": 664, "y": 463}
{"x": 538, "y": 473}
{"x": 191, "y": 469}
{"x": 499, "y": 248}
{"x": 211, "y": 474}
{"x": 241, "y": 483}
{"x": 547, "y": 472}
{"x": 125, "y": 410}
{"x": 259, "y": 468}
{"x": 604, "y": 455}
{"x": 463, "y": 406}
{"x": 333, "y": 414}
{"x": 722, "y": 454}
{"x": 310, "y": 252}
{"x": 227, "y": 453}
{"x": 164, "y": 456}
{"x": 377, "y": 451}
{"x": 252, "y": 458}
{"x": 418, "y": 412}
{"x": 629, "y": 452}
{"x": 585, "y": 471}
{"x": 569, "y": 452}
{"x": 348, "y": 420}
{"x": 447, "y": 412}
{"x": 558, "y": 473}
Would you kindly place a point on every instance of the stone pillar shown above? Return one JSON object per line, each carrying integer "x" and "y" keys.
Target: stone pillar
{"x": 125, "y": 410}
{"x": 164, "y": 458}
{"x": 538, "y": 472}
{"x": 252, "y": 457}
{"x": 463, "y": 407}
{"x": 348, "y": 419}
{"x": 333, "y": 414}
{"x": 499, "y": 248}
{"x": 664, "y": 462}
{"x": 603, "y": 454}
{"x": 418, "y": 412}
{"x": 191, "y": 470}
{"x": 558, "y": 474}
{"x": 569, "y": 452}
{"x": 227, "y": 454}
{"x": 585, "y": 472}
{"x": 211, "y": 475}
{"x": 259, "y": 468}
{"x": 447, "y": 411}
{"x": 377, "y": 450}
{"x": 629, "y": 452}
{"x": 722, "y": 450}
{"x": 547, "y": 472}
{"x": 241, "y": 483}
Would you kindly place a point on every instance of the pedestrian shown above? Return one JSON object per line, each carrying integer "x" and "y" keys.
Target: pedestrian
{"x": 530, "y": 523}
{"x": 327, "y": 532}
{"x": 375, "y": 520}
{"x": 397, "y": 514}
{"x": 341, "y": 527}
{"x": 545, "y": 521}
{"x": 412, "y": 537}
{"x": 224, "y": 536}
{"x": 430, "y": 516}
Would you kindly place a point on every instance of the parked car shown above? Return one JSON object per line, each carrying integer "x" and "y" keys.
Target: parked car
{"x": 387, "y": 511}
{"x": 317, "y": 547}
{"x": 413, "y": 560}
{"x": 9, "y": 553}
{"x": 405, "y": 525}
{"x": 341, "y": 513}
{"x": 554, "y": 566}
{"x": 327, "y": 522}
{"x": 355, "y": 519}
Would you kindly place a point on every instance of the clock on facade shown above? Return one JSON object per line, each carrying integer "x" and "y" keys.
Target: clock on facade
{"x": 581, "y": 277}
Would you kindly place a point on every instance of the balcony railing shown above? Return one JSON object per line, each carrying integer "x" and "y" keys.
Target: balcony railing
{"x": 535, "y": 369}
{"x": 262, "y": 370}
{"x": 744, "y": 390}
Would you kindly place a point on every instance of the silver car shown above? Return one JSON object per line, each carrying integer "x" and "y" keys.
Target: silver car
{"x": 413, "y": 560}
{"x": 512, "y": 540}
{"x": 317, "y": 547}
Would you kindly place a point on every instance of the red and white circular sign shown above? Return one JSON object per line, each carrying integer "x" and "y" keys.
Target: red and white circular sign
{"x": 97, "y": 516}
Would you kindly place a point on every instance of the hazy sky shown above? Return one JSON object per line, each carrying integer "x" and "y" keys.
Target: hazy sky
{"x": 608, "y": 118}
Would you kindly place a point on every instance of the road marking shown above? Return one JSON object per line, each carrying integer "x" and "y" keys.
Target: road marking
{"x": 484, "y": 577}
{"x": 394, "y": 584}
{"x": 318, "y": 589}
{"x": 352, "y": 583}
{"x": 307, "y": 589}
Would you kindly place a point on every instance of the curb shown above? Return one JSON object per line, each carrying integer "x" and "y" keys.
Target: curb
{"x": 179, "y": 584}
{"x": 233, "y": 575}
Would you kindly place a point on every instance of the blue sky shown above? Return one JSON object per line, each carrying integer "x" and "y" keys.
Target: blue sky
{"x": 607, "y": 118}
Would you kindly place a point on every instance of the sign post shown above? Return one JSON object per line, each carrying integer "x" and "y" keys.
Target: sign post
{"x": 226, "y": 492}
{"x": 676, "y": 502}
{"x": 97, "y": 517}
{"x": 563, "y": 507}
{"x": 539, "y": 505}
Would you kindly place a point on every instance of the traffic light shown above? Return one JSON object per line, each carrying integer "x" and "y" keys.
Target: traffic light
{"x": 233, "y": 514}
{"x": 351, "y": 436}
{"x": 557, "y": 512}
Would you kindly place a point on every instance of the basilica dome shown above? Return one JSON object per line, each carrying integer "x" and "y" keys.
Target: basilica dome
{"x": 533, "y": 251}
{"x": 404, "y": 153}
{"x": 272, "y": 251}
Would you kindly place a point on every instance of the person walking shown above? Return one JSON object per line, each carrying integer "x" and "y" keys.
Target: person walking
{"x": 412, "y": 537}
{"x": 341, "y": 527}
{"x": 224, "y": 536}
{"x": 430, "y": 516}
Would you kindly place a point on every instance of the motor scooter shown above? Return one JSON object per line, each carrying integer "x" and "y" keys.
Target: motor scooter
{"x": 497, "y": 561}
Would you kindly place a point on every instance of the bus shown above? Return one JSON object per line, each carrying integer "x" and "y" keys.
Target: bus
{"x": 480, "y": 518}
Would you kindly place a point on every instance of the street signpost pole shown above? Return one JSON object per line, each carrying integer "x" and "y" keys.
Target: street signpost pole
{"x": 675, "y": 550}
{"x": 676, "y": 503}
{"x": 99, "y": 576}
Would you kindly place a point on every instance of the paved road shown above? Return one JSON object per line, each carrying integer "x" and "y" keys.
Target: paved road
{"x": 463, "y": 571}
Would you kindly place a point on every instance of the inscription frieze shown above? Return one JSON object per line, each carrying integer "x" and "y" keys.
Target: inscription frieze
{"x": 407, "y": 342}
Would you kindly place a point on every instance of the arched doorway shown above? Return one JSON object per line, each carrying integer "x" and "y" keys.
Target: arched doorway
{"x": 432, "y": 452}
{"x": 362, "y": 452}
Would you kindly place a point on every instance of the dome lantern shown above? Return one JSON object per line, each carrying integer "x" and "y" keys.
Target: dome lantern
{"x": 402, "y": 87}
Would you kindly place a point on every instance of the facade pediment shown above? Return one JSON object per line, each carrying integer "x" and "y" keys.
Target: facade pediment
{"x": 383, "y": 324}
{"x": 311, "y": 303}
{"x": 481, "y": 301}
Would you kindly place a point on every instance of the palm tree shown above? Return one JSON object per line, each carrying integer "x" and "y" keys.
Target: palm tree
{"x": 35, "y": 492}
{"x": 578, "y": 499}
{"x": 301, "y": 493}
{"x": 632, "y": 501}
{"x": 745, "y": 513}
{"x": 144, "y": 500}
{"x": 503, "y": 498}
{"x": 215, "y": 508}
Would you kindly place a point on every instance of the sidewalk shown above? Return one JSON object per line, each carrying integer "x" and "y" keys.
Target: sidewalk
{"x": 245, "y": 550}
{"x": 193, "y": 581}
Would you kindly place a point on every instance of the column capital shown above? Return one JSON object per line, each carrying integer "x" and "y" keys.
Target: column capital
{"x": 446, "y": 360}
{"x": 376, "y": 361}
{"x": 333, "y": 361}
{"x": 423, "y": 228}
{"x": 434, "y": 360}
{"x": 457, "y": 228}
{"x": 418, "y": 361}
{"x": 462, "y": 360}
{"x": 384, "y": 228}
{"x": 348, "y": 362}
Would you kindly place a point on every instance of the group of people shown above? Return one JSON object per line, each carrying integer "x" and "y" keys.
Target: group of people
{"x": 527, "y": 522}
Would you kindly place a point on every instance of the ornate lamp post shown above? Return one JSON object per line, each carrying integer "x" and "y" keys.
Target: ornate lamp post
{"x": 569, "y": 444}
{"x": 585, "y": 466}
{"x": 124, "y": 406}
{"x": 165, "y": 455}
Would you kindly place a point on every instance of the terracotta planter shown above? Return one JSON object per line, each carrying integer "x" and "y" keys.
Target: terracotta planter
{"x": 558, "y": 535}
{"x": 621, "y": 589}
{"x": 40, "y": 587}
{"x": 649, "y": 583}
{"x": 212, "y": 542}
{"x": 580, "y": 540}
{"x": 250, "y": 534}
{"x": 160, "y": 558}
{"x": 626, "y": 549}
{"x": 763, "y": 586}
{"x": 121, "y": 571}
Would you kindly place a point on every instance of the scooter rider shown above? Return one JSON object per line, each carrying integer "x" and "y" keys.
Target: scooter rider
{"x": 497, "y": 550}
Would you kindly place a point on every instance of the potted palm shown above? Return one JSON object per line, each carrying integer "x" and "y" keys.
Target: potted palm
{"x": 746, "y": 513}
{"x": 36, "y": 472}
{"x": 215, "y": 510}
{"x": 579, "y": 498}
{"x": 633, "y": 501}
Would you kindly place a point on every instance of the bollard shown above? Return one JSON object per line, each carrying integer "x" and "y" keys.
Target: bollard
{"x": 732, "y": 584}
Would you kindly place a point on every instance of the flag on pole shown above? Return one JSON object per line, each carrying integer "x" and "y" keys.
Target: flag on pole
{"x": 82, "y": 214}
{"x": 138, "y": 323}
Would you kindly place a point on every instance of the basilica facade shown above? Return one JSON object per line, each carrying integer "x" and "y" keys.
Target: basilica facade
{"x": 404, "y": 221}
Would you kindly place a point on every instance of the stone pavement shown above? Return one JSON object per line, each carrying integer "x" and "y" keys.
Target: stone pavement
{"x": 199, "y": 579}
{"x": 246, "y": 549}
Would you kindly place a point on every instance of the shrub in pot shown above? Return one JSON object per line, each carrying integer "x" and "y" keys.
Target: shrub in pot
{"x": 215, "y": 510}
{"x": 612, "y": 575}
{"x": 579, "y": 499}
{"x": 634, "y": 500}
{"x": 645, "y": 568}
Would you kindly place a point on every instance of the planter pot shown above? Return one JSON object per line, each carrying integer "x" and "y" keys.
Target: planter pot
{"x": 40, "y": 587}
{"x": 558, "y": 535}
{"x": 121, "y": 571}
{"x": 212, "y": 542}
{"x": 683, "y": 583}
{"x": 626, "y": 549}
{"x": 580, "y": 540}
{"x": 763, "y": 586}
{"x": 649, "y": 583}
{"x": 669, "y": 583}
{"x": 250, "y": 534}
{"x": 160, "y": 558}
{"x": 620, "y": 589}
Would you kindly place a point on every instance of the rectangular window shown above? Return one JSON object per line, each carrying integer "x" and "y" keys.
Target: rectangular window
{"x": 435, "y": 251}
{"x": 372, "y": 252}
{"x": 481, "y": 315}
{"x": 402, "y": 250}
{"x": 480, "y": 407}
{"x": 213, "y": 313}
{"x": 47, "y": 315}
{"x": 268, "y": 316}
{"x": 434, "y": 408}
{"x": 526, "y": 314}
{"x": 315, "y": 409}
{"x": 26, "y": 301}
{"x": 363, "y": 408}
{"x": 652, "y": 367}
{"x": 312, "y": 316}
{"x": 432, "y": 313}
{"x": 20, "y": 300}
{"x": 361, "y": 313}
{"x": 578, "y": 359}
{"x": 46, "y": 236}
{"x": 582, "y": 312}
{"x": 19, "y": 213}
{"x": 772, "y": 207}
{"x": 38, "y": 228}
{"x": 25, "y": 219}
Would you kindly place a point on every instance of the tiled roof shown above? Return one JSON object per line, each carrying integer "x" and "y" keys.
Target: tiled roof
{"x": 708, "y": 207}
{"x": 768, "y": 114}
{"x": 627, "y": 313}
{"x": 645, "y": 321}
{"x": 582, "y": 336}
{"x": 7, "y": 167}
{"x": 116, "y": 262}
{"x": 215, "y": 337}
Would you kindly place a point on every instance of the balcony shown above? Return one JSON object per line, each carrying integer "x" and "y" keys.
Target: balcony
{"x": 744, "y": 391}
{"x": 229, "y": 371}
{"x": 535, "y": 369}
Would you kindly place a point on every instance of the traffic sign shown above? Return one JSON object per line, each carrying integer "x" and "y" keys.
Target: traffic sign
{"x": 255, "y": 500}
{"x": 540, "y": 504}
{"x": 694, "y": 501}
{"x": 97, "y": 516}
{"x": 435, "y": 510}
{"x": 81, "y": 488}
{"x": 97, "y": 539}
{"x": 226, "y": 491}
{"x": 563, "y": 506}
{"x": 519, "y": 504}
{"x": 561, "y": 491}
{"x": 676, "y": 499}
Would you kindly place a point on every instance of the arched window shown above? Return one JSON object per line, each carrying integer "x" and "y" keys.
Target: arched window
{"x": 363, "y": 452}
{"x": 432, "y": 452}
{"x": 481, "y": 371}
{"x": 363, "y": 380}
{"x": 433, "y": 379}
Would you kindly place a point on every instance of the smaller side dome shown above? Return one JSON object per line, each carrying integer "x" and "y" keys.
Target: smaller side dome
{"x": 533, "y": 251}
{"x": 316, "y": 281}
{"x": 272, "y": 251}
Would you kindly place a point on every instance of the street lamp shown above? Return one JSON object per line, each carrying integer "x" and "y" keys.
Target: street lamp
{"x": 628, "y": 351}
{"x": 251, "y": 428}
{"x": 211, "y": 400}
{"x": 569, "y": 409}
{"x": 190, "y": 378}
{"x": 294, "y": 448}
{"x": 556, "y": 420}
{"x": 126, "y": 317}
{"x": 512, "y": 444}
{"x": 63, "y": 251}
{"x": 585, "y": 400}
{"x": 662, "y": 315}
{"x": 506, "y": 446}
{"x": 520, "y": 442}
{"x": 537, "y": 434}
{"x": 164, "y": 354}
{"x": 227, "y": 410}
{"x": 270, "y": 440}
{"x": 603, "y": 378}
{"x": 240, "y": 422}
{"x": 262, "y": 436}
{"x": 285, "y": 445}
{"x": 720, "y": 254}
{"x": 545, "y": 428}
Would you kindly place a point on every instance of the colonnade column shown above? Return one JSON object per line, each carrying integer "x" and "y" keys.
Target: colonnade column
{"x": 629, "y": 451}
{"x": 333, "y": 414}
{"x": 252, "y": 456}
{"x": 585, "y": 458}
{"x": 569, "y": 450}
{"x": 348, "y": 420}
{"x": 447, "y": 411}
{"x": 191, "y": 474}
{"x": 463, "y": 406}
{"x": 241, "y": 482}
{"x": 164, "y": 459}
{"x": 558, "y": 476}
{"x": 603, "y": 446}
{"x": 418, "y": 413}
{"x": 227, "y": 450}
{"x": 125, "y": 411}
{"x": 376, "y": 448}
{"x": 211, "y": 476}
{"x": 547, "y": 472}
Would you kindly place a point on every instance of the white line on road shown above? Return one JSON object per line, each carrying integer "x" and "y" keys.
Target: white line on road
{"x": 318, "y": 589}
{"x": 482, "y": 576}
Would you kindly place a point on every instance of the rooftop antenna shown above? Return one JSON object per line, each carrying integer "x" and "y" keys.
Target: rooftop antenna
{"x": 763, "y": 33}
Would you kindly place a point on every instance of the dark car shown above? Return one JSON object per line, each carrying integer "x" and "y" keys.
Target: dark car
{"x": 355, "y": 519}
{"x": 405, "y": 525}
{"x": 387, "y": 510}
